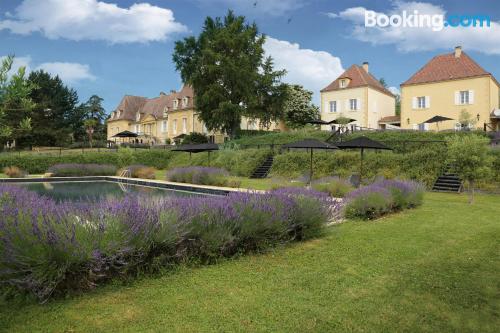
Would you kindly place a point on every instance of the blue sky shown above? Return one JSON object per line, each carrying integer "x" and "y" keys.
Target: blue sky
{"x": 112, "y": 48}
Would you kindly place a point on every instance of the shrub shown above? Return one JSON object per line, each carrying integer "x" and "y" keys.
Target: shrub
{"x": 195, "y": 138}
{"x": 383, "y": 197}
{"x": 335, "y": 187}
{"x": 199, "y": 175}
{"x": 14, "y": 172}
{"x": 139, "y": 171}
{"x": 49, "y": 249}
{"x": 76, "y": 170}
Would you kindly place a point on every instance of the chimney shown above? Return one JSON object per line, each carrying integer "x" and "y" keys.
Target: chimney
{"x": 162, "y": 93}
{"x": 365, "y": 66}
{"x": 458, "y": 51}
{"x": 173, "y": 91}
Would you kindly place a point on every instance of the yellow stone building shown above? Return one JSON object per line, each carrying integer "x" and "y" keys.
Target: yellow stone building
{"x": 165, "y": 118}
{"x": 446, "y": 86}
{"x": 358, "y": 95}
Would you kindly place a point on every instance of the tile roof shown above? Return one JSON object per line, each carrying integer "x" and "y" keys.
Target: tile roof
{"x": 446, "y": 67}
{"x": 130, "y": 105}
{"x": 358, "y": 78}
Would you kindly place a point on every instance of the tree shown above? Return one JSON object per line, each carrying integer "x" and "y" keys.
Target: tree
{"x": 53, "y": 117}
{"x": 469, "y": 157}
{"x": 15, "y": 103}
{"x": 230, "y": 76}
{"x": 298, "y": 108}
{"x": 90, "y": 125}
{"x": 466, "y": 119}
{"x": 195, "y": 138}
{"x": 398, "y": 104}
{"x": 382, "y": 82}
{"x": 92, "y": 109}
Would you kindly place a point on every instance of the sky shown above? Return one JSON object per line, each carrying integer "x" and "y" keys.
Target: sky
{"x": 116, "y": 47}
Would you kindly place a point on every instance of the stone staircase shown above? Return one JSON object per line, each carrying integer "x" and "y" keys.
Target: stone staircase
{"x": 448, "y": 182}
{"x": 263, "y": 170}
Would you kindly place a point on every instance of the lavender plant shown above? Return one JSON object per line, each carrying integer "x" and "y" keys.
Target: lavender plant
{"x": 49, "y": 248}
{"x": 199, "y": 175}
{"x": 76, "y": 170}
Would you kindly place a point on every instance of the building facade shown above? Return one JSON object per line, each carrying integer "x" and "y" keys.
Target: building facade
{"x": 449, "y": 85}
{"x": 358, "y": 95}
{"x": 165, "y": 118}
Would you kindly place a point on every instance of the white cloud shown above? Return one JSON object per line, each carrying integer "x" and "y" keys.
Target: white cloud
{"x": 268, "y": 7}
{"x": 69, "y": 72}
{"x": 394, "y": 90}
{"x": 93, "y": 20}
{"x": 312, "y": 69}
{"x": 409, "y": 39}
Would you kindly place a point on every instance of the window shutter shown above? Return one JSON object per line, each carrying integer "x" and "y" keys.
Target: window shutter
{"x": 326, "y": 108}
{"x": 471, "y": 96}
{"x": 347, "y": 104}
{"x": 457, "y": 97}
{"x": 415, "y": 126}
{"x": 359, "y": 104}
{"x": 427, "y": 102}
{"x": 426, "y": 126}
{"x": 338, "y": 106}
{"x": 414, "y": 102}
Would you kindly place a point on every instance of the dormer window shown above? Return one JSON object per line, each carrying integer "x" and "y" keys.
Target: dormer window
{"x": 185, "y": 101}
{"x": 165, "y": 112}
{"x": 343, "y": 83}
{"x": 137, "y": 116}
{"x": 118, "y": 114}
{"x": 113, "y": 114}
{"x": 176, "y": 104}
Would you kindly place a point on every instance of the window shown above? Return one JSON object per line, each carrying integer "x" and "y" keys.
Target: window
{"x": 138, "y": 116}
{"x": 421, "y": 102}
{"x": 176, "y": 104}
{"x": 184, "y": 102}
{"x": 353, "y": 104}
{"x": 137, "y": 128}
{"x": 343, "y": 83}
{"x": 333, "y": 106}
{"x": 164, "y": 126}
{"x": 464, "y": 97}
{"x": 205, "y": 131}
{"x": 118, "y": 114}
{"x": 174, "y": 126}
{"x": 165, "y": 112}
{"x": 184, "y": 125}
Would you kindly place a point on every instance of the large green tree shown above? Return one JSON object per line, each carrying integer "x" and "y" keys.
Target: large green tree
{"x": 92, "y": 110}
{"x": 230, "y": 74}
{"x": 53, "y": 117}
{"x": 298, "y": 108}
{"x": 15, "y": 103}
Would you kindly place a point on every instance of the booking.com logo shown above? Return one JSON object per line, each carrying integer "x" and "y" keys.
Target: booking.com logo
{"x": 416, "y": 20}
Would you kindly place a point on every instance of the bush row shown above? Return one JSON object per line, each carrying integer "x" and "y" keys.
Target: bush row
{"x": 199, "y": 175}
{"x": 78, "y": 170}
{"x": 423, "y": 165}
{"x": 49, "y": 248}
{"x": 237, "y": 162}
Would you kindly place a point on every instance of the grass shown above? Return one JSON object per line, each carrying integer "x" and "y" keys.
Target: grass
{"x": 432, "y": 269}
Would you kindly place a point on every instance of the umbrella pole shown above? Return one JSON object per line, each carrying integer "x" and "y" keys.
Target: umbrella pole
{"x": 209, "y": 158}
{"x": 311, "y": 168}
{"x": 361, "y": 168}
{"x": 189, "y": 157}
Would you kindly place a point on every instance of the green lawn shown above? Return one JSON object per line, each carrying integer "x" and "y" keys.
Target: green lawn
{"x": 432, "y": 269}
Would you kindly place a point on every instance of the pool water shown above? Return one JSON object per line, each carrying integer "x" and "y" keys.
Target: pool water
{"x": 97, "y": 190}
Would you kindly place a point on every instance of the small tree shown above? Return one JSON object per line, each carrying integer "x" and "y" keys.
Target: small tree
{"x": 466, "y": 119}
{"x": 469, "y": 157}
{"x": 90, "y": 125}
{"x": 298, "y": 108}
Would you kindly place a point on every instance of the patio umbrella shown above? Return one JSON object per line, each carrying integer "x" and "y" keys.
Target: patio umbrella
{"x": 437, "y": 120}
{"x": 310, "y": 144}
{"x": 198, "y": 148}
{"x": 125, "y": 134}
{"x": 362, "y": 143}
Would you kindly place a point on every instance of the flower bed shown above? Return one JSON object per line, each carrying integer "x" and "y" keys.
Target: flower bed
{"x": 199, "y": 175}
{"x": 50, "y": 249}
{"x": 380, "y": 198}
{"x": 77, "y": 170}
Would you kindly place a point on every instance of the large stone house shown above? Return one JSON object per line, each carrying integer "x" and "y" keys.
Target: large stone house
{"x": 164, "y": 118}
{"x": 358, "y": 95}
{"x": 446, "y": 86}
